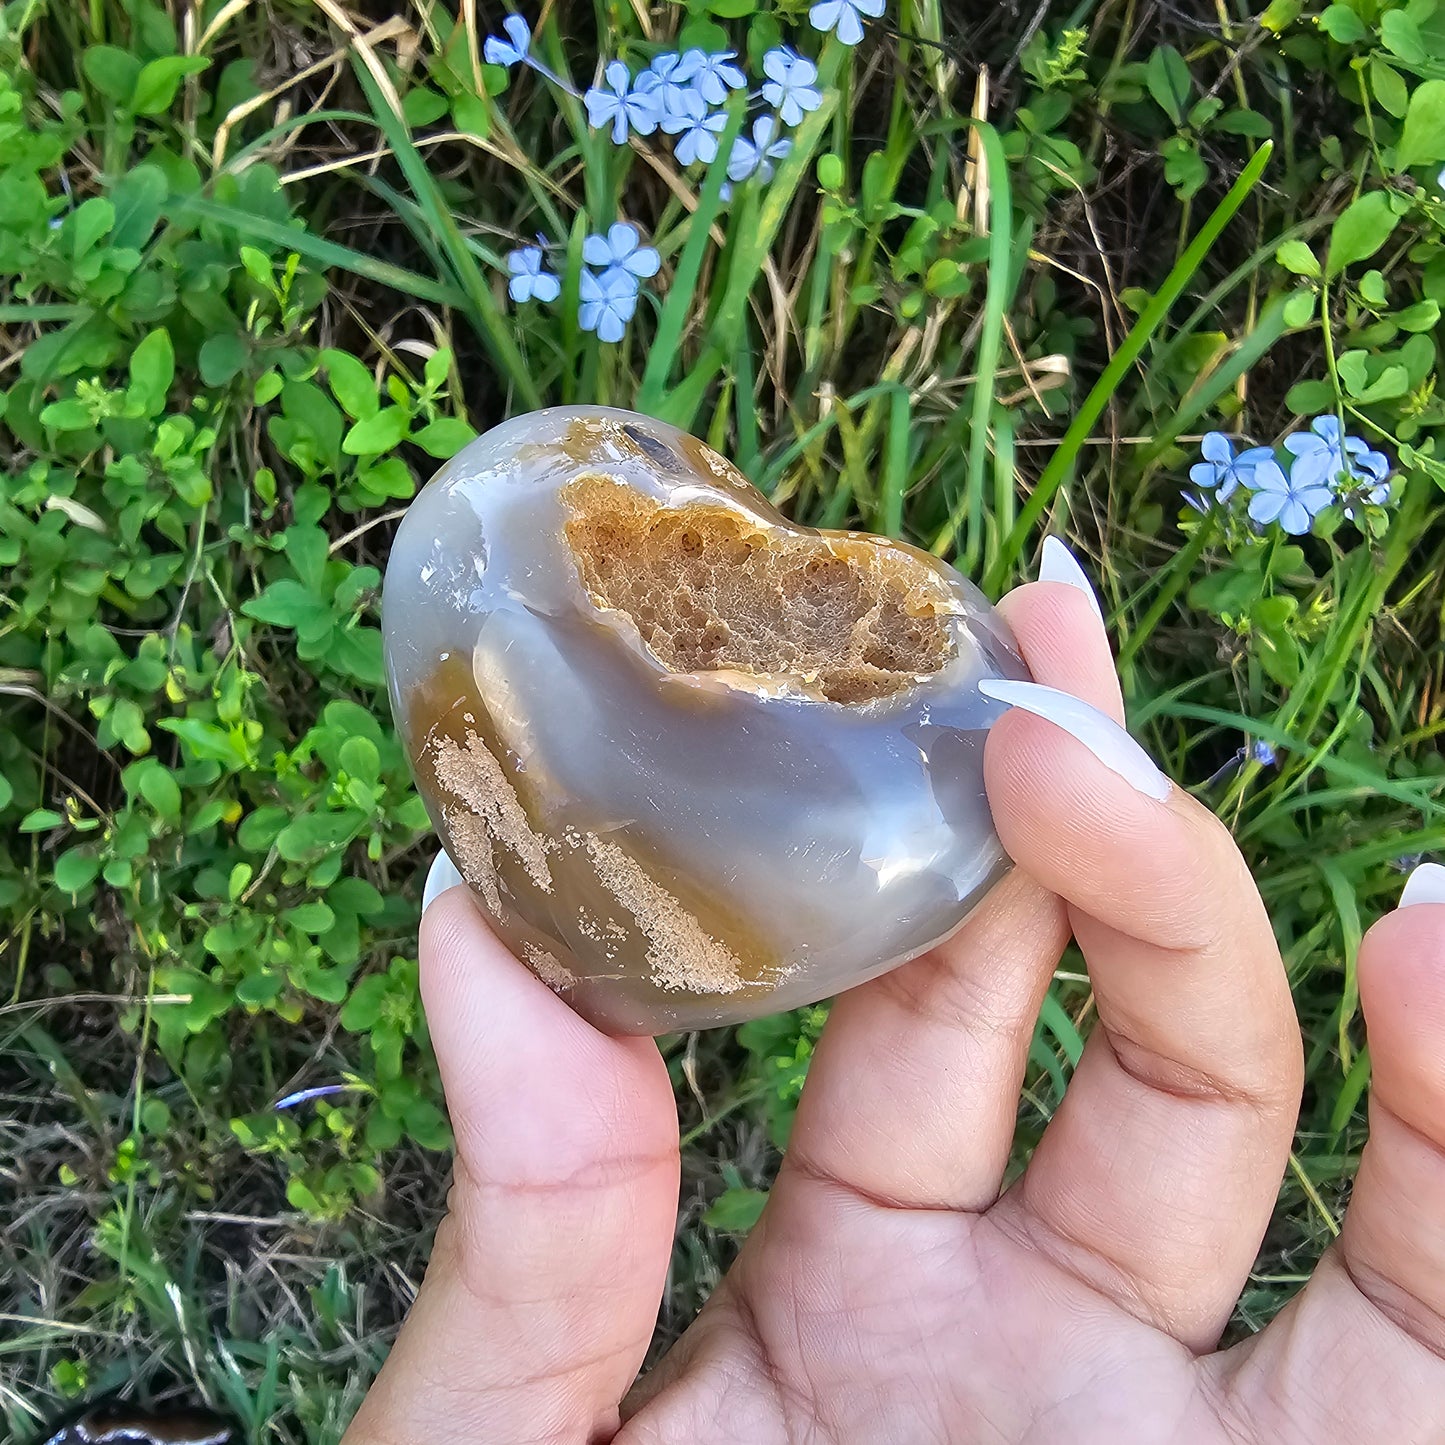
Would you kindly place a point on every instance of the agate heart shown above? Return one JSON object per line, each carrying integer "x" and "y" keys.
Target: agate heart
{"x": 695, "y": 763}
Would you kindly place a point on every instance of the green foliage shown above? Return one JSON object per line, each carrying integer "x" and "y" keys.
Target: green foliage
{"x": 238, "y": 329}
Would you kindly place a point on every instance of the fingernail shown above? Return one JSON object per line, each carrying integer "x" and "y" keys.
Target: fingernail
{"x": 1425, "y": 885}
{"x": 1098, "y": 732}
{"x": 1058, "y": 564}
{"x": 443, "y": 875}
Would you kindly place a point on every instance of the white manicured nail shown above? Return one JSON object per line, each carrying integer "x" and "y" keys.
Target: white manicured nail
{"x": 443, "y": 875}
{"x": 1425, "y": 885}
{"x": 1098, "y": 732}
{"x": 1058, "y": 564}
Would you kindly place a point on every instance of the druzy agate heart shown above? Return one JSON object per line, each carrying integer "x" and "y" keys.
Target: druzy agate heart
{"x": 694, "y": 762}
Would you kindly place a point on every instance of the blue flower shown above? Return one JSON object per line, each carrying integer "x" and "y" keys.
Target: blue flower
{"x": 1291, "y": 501}
{"x": 512, "y": 50}
{"x": 1320, "y": 452}
{"x": 697, "y": 129}
{"x": 756, "y": 156}
{"x": 668, "y": 78}
{"x": 530, "y": 282}
{"x": 1367, "y": 474}
{"x": 623, "y": 104}
{"x": 714, "y": 75}
{"x": 790, "y": 87}
{"x": 1222, "y": 471}
{"x": 321, "y": 1091}
{"x": 608, "y": 302}
{"x": 621, "y": 249}
{"x": 844, "y": 17}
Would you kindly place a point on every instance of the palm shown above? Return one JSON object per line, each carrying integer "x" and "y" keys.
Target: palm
{"x": 890, "y": 1294}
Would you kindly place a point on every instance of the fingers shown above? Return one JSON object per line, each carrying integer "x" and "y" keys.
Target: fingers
{"x": 1156, "y": 1178}
{"x": 1375, "y": 1307}
{"x": 543, "y": 1287}
{"x": 912, "y": 1096}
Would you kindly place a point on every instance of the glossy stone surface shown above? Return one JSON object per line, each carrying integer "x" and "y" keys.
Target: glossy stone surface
{"x": 695, "y": 763}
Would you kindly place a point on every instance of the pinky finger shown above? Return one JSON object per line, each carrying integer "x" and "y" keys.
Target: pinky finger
{"x": 1374, "y": 1312}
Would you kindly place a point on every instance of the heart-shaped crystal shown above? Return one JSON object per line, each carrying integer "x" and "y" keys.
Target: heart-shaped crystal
{"x": 695, "y": 763}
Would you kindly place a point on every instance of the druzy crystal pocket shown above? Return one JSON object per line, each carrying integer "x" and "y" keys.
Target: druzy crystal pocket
{"x": 694, "y": 762}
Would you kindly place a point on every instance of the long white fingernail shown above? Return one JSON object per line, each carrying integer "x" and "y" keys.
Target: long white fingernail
{"x": 1425, "y": 885}
{"x": 443, "y": 875}
{"x": 1097, "y": 731}
{"x": 1058, "y": 564}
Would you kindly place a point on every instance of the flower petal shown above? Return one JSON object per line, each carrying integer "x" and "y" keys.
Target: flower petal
{"x": 849, "y": 29}
{"x": 546, "y": 287}
{"x": 1294, "y": 517}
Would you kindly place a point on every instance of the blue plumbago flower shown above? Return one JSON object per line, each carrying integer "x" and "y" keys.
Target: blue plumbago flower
{"x": 513, "y": 50}
{"x": 669, "y": 77}
{"x": 697, "y": 129}
{"x": 321, "y": 1091}
{"x": 1289, "y": 500}
{"x": 622, "y": 104}
{"x": 790, "y": 87}
{"x": 1258, "y": 751}
{"x": 713, "y": 75}
{"x": 621, "y": 249}
{"x": 608, "y": 301}
{"x": 1365, "y": 482}
{"x": 1320, "y": 452}
{"x": 1222, "y": 471}
{"x": 844, "y": 17}
{"x": 530, "y": 280}
{"x": 755, "y": 157}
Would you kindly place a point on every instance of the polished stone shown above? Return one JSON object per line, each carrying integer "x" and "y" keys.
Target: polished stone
{"x": 695, "y": 763}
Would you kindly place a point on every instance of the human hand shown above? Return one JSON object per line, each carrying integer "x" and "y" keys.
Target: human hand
{"x": 889, "y": 1293}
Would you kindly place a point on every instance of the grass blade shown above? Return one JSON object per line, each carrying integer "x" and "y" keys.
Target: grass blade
{"x": 1061, "y": 465}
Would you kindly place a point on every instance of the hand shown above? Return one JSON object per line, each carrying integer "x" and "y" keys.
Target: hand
{"x": 890, "y": 1295}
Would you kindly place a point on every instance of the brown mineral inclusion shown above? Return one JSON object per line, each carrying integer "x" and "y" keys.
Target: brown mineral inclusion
{"x": 694, "y": 762}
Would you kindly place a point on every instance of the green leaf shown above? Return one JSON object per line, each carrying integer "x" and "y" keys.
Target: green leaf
{"x": 736, "y": 1210}
{"x": 138, "y": 197}
{"x": 1341, "y": 24}
{"x": 363, "y": 1008}
{"x": 351, "y": 384}
{"x": 444, "y": 437}
{"x": 160, "y": 789}
{"x": 314, "y": 917}
{"x": 286, "y": 603}
{"x": 75, "y": 869}
{"x": 359, "y": 758}
{"x": 113, "y": 72}
{"x": 471, "y": 115}
{"x": 221, "y": 358}
{"x": 208, "y": 742}
{"x": 379, "y": 433}
{"x": 422, "y": 105}
{"x": 152, "y": 369}
{"x": 1166, "y": 73}
{"x": 1360, "y": 230}
{"x": 318, "y": 832}
{"x": 1401, "y": 37}
{"x": 1389, "y": 88}
{"x": 156, "y": 85}
{"x": 40, "y": 820}
{"x": 1423, "y": 140}
{"x": 1244, "y": 122}
{"x": 1295, "y": 256}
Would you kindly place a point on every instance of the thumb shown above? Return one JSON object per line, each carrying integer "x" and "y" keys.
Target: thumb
{"x": 544, "y": 1283}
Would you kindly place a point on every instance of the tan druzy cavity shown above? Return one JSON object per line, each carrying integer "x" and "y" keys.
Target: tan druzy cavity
{"x": 694, "y": 762}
